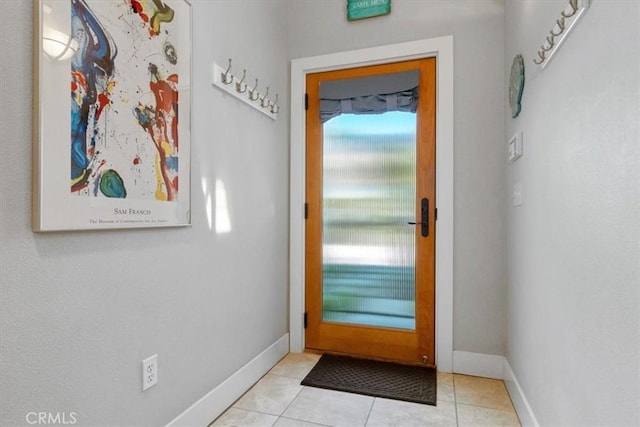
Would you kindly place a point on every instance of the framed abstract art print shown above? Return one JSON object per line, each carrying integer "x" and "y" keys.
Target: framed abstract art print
{"x": 112, "y": 106}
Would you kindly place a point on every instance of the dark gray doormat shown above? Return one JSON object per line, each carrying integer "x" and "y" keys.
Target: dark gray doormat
{"x": 373, "y": 378}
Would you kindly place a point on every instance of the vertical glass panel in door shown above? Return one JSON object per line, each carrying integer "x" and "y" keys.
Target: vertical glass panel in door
{"x": 369, "y": 193}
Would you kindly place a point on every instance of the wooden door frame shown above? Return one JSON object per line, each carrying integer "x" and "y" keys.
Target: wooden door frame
{"x": 442, "y": 48}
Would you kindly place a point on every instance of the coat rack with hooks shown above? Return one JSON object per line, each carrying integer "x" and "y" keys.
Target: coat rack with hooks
{"x": 248, "y": 93}
{"x": 563, "y": 26}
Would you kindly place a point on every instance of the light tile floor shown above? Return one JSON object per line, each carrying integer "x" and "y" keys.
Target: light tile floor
{"x": 279, "y": 400}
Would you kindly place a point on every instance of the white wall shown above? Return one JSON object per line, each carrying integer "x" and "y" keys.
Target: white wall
{"x": 574, "y": 244}
{"x": 79, "y": 311}
{"x": 321, "y": 27}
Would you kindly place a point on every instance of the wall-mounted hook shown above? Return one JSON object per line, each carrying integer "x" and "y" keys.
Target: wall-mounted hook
{"x": 226, "y": 77}
{"x": 239, "y": 84}
{"x": 574, "y": 9}
{"x": 274, "y": 106}
{"x": 559, "y": 24}
{"x": 253, "y": 92}
{"x": 264, "y": 101}
{"x": 551, "y": 40}
{"x": 541, "y": 54}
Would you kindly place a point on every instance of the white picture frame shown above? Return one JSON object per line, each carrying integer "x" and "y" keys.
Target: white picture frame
{"x": 112, "y": 101}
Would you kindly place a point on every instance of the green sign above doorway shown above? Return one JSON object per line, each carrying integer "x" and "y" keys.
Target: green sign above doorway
{"x": 360, "y": 9}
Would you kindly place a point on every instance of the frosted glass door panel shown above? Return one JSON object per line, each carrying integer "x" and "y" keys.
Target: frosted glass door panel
{"x": 369, "y": 194}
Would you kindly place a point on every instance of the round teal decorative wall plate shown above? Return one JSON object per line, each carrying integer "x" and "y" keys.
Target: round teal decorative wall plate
{"x": 516, "y": 85}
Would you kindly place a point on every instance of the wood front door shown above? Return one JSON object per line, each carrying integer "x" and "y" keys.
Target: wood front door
{"x": 370, "y": 272}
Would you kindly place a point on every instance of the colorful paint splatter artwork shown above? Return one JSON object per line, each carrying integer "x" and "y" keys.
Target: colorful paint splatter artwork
{"x": 124, "y": 100}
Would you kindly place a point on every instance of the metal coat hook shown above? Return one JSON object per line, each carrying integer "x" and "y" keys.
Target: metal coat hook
{"x": 264, "y": 101}
{"x": 239, "y": 84}
{"x": 254, "y": 91}
{"x": 541, "y": 54}
{"x": 551, "y": 42}
{"x": 562, "y": 27}
{"x": 559, "y": 24}
{"x": 226, "y": 77}
{"x": 238, "y": 87}
{"x": 274, "y": 106}
{"x": 574, "y": 9}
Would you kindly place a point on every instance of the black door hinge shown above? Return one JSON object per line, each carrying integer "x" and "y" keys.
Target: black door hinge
{"x": 306, "y": 210}
{"x": 306, "y": 101}
{"x": 435, "y": 215}
{"x": 305, "y": 320}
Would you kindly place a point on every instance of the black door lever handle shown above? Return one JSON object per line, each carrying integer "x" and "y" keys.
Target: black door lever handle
{"x": 425, "y": 217}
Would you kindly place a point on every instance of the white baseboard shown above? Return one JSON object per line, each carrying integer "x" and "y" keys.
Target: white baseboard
{"x": 520, "y": 402}
{"x": 214, "y": 403}
{"x": 478, "y": 364}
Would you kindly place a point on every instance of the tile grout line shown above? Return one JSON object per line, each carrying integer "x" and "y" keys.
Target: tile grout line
{"x": 267, "y": 413}
{"x": 455, "y": 398}
{"x": 306, "y": 422}
{"x": 290, "y": 403}
{"x": 369, "y": 413}
{"x": 244, "y": 410}
{"x": 512, "y": 412}
{"x": 488, "y": 407}
{"x": 302, "y": 387}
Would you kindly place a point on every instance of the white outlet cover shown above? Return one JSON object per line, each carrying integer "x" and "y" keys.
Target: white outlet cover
{"x": 149, "y": 372}
{"x": 516, "y": 196}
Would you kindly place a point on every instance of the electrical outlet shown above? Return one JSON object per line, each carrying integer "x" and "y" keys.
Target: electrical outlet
{"x": 149, "y": 372}
{"x": 516, "y": 196}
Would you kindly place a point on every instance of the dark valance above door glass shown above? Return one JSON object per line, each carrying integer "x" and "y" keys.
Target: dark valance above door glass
{"x": 369, "y": 95}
